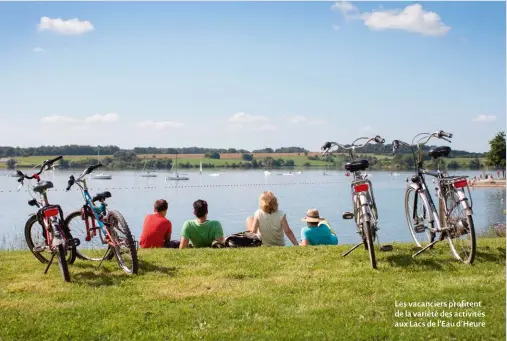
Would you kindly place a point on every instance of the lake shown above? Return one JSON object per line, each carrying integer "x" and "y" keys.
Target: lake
{"x": 233, "y": 196}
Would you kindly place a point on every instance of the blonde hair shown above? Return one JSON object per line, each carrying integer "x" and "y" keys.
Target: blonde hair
{"x": 268, "y": 202}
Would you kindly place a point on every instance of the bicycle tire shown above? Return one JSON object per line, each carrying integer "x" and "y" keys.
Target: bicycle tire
{"x": 469, "y": 258}
{"x": 116, "y": 220}
{"x": 80, "y": 250}
{"x": 62, "y": 262}
{"x": 367, "y": 230}
{"x": 427, "y": 236}
{"x": 30, "y": 243}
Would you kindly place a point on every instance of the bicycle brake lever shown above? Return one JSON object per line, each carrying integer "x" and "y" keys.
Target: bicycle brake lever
{"x": 443, "y": 138}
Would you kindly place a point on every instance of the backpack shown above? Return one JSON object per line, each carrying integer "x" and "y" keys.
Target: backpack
{"x": 243, "y": 239}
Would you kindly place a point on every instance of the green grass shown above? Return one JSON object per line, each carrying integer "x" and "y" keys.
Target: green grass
{"x": 291, "y": 293}
{"x": 299, "y": 161}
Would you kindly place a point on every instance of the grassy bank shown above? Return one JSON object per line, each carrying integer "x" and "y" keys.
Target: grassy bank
{"x": 252, "y": 294}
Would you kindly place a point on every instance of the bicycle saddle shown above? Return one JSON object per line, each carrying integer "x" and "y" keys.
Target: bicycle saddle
{"x": 357, "y": 165}
{"x": 439, "y": 152}
{"x": 42, "y": 186}
{"x": 101, "y": 196}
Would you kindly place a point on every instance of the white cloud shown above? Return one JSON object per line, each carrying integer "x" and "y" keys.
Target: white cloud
{"x": 106, "y": 118}
{"x": 79, "y": 123}
{"x": 59, "y": 119}
{"x": 159, "y": 125}
{"x": 298, "y": 119}
{"x": 485, "y": 118}
{"x": 412, "y": 18}
{"x": 38, "y": 49}
{"x": 241, "y": 117}
{"x": 267, "y": 127}
{"x": 65, "y": 27}
{"x": 348, "y": 10}
{"x": 302, "y": 119}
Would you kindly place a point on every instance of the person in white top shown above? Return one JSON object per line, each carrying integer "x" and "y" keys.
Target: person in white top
{"x": 269, "y": 223}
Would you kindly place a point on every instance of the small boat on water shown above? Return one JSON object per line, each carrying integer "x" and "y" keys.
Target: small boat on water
{"x": 147, "y": 174}
{"x": 175, "y": 177}
{"x": 266, "y": 173}
{"x": 12, "y": 174}
{"x": 215, "y": 174}
{"x": 101, "y": 176}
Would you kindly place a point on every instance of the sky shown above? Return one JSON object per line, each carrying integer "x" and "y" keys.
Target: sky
{"x": 250, "y": 74}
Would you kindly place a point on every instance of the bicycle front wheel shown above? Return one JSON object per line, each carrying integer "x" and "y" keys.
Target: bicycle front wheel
{"x": 418, "y": 215}
{"x": 62, "y": 262}
{"x": 461, "y": 235}
{"x": 368, "y": 233}
{"x": 124, "y": 246}
{"x": 92, "y": 246}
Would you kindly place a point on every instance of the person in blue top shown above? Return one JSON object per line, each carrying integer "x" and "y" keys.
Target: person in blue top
{"x": 315, "y": 233}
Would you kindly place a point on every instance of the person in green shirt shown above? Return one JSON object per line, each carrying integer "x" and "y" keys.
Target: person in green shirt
{"x": 200, "y": 231}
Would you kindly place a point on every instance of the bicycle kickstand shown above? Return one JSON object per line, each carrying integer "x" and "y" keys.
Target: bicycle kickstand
{"x": 107, "y": 252}
{"x": 425, "y": 248}
{"x": 353, "y": 248}
{"x": 49, "y": 264}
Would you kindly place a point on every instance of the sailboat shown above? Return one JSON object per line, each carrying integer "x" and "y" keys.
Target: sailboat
{"x": 177, "y": 177}
{"x": 325, "y": 172}
{"x": 200, "y": 168}
{"x": 100, "y": 176}
{"x": 145, "y": 174}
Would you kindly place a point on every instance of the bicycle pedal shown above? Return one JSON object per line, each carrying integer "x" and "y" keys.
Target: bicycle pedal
{"x": 419, "y": 228}
{"x": 39, "y": 248}
{"x": 348, "y": 215}
{"x": 74, "y": 242}
{"x": 386, "y": 247}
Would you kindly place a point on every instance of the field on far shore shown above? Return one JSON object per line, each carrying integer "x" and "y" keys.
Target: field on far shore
{"x": 226, "y": 158}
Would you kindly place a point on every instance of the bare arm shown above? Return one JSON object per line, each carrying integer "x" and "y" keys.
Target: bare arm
{"x": 304, "y": 242}
{"x": 255, "y": 225}
{"x": 288, "y": 231}
{"x": 184, "y": 243}
{"x": 220, "y": 240}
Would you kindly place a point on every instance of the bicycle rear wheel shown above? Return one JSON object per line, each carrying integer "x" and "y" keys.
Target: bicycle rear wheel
{"x": 35, "y": 239}
{"x": 418, "y": 214}
{"x": 368, "y": 233}
{"x": 461, "y": 236}
{"x": 125, "y": 247}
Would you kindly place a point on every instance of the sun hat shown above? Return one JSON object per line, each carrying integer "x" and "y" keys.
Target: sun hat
{"x": 312, "y": 216}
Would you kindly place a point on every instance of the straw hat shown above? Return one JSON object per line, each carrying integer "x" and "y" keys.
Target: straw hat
{"x": 312, "y": 216}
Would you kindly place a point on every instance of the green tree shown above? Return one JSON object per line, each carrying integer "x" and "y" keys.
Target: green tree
{"x": 11, "y": 164}
{"x": 474, "y": 163}
{"x": 289, "y": 163}
{"x": 496, "y": 154}
{"x": 453, "y": 165}
{"x": 212, "y": 155}
{"x": 247, "y": 157}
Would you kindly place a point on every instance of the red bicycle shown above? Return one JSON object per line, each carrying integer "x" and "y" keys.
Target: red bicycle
{"x": 45, "y": 230}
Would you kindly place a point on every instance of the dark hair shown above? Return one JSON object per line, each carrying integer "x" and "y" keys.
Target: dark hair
{"x": 160, "y": 205}
{"x": 200, "y": 208}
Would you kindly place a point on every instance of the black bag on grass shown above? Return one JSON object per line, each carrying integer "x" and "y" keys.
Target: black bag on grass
{"x": 243, "y": 239}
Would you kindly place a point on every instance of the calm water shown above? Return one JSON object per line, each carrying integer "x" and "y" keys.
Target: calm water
{"x": 234, "y": 196}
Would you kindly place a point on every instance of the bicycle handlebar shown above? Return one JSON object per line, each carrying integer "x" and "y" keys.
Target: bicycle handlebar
{"x": 46, "y": 163}
{"x": 439, "y": 134}
{"x": 328, "y": 145}
{"x": 87, "y": 171}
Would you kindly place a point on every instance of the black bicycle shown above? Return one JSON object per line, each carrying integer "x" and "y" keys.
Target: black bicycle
{"x": 363, "y": 200}
{"x": 454, "y": 222}
{"x": 46, "y": 230}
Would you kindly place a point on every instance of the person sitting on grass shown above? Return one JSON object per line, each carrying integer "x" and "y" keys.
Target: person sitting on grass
{"x": 269, "y": 223}
{"x": 315, "y": 233}
{"x": 200, "y": 231}
{"x": 157, "y": 228}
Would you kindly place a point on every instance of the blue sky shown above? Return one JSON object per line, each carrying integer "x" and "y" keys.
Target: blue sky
{"x": 250, "y": 75}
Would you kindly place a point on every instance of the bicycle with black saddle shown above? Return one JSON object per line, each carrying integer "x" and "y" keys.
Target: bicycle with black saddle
{"x": 363, "y": 200}
{"x": 454, "y": 222}
{"x": 99, "y": 228}
{"x": 46, "y": 229}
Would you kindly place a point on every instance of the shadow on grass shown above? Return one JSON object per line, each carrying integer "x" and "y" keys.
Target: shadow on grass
{"x": 497, "y": 257}
{"x": 94, "y": 279}
{"x": 422, "y": 263}
{"x": 145, "y": 266}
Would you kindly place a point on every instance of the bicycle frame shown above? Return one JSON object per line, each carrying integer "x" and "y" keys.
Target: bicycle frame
{"x": 95, "y": 217}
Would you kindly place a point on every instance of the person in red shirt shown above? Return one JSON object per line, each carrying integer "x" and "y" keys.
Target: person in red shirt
{"x": 157, "y": 228}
